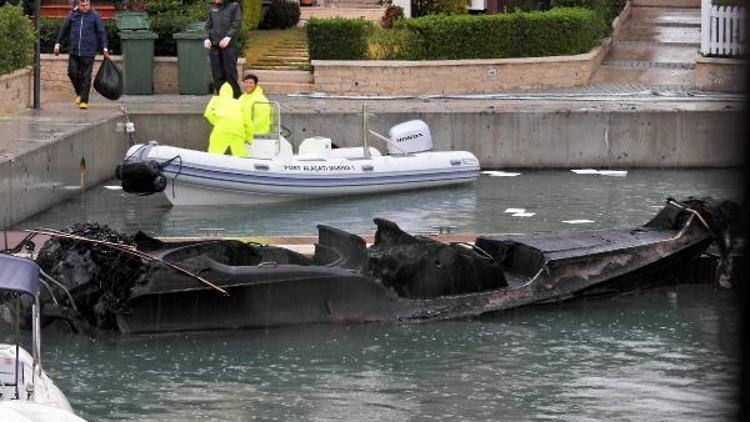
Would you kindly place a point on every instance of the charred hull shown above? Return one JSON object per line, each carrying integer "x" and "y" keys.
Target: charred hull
{"x": 403, "y": 277}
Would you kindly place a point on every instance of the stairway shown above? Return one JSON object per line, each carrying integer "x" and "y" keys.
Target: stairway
{"x": 284, "y": 69}
{"x": 658, "y": 45}
{"x": 287, "y": 55}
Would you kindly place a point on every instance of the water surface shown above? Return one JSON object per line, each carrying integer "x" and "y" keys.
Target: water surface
{"x": 553, "y": 197}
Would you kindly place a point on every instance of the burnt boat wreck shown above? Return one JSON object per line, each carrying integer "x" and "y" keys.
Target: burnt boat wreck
{"x": 160, "y": 286}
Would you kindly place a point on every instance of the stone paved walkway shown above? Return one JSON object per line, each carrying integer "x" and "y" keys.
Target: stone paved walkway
{"x": 658, "y": 45}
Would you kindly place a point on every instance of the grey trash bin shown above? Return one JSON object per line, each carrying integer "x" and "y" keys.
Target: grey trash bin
{"x": 137, "y": 52}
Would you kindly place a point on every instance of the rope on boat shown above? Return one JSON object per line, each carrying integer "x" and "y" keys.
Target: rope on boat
{"x": 692, "y": 211}
{"x": 179, "y": 169}
{"x": 127, "y": 249}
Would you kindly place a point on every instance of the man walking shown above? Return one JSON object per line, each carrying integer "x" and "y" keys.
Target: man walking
{"x": 223, "y": 26}
{"x": 84, "y": 30}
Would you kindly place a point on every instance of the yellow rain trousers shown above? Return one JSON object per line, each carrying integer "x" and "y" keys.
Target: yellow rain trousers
{"x": 261, "y": 114}
{"x": 232, "y": 126}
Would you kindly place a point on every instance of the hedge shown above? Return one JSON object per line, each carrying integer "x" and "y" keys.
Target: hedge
{"x": 251, "y": 14}
{"x": 16, "y": 39}
{"x": 338, "y": 38}
{"x": 171, "y": 16}
{"x": 560, "y": 31}
{"x": 281, "y": 14}
{"x": 607, "y": 9}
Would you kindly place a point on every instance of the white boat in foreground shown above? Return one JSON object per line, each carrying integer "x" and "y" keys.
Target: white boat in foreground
{"x": 272, "y": 172}
{"x": 26, "y": 392}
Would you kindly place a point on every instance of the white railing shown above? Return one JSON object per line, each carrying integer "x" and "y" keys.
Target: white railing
{"x": 722, "y": 29}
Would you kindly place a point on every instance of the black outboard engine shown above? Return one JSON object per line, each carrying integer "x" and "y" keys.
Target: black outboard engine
{"x": 141, "y": 177}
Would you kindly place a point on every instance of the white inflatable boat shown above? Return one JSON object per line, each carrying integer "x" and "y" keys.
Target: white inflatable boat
{"x": 272, "y": 172}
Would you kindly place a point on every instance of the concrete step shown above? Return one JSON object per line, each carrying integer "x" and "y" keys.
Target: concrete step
{"x": 283, "y": 57}
{"x": 283, "y": 76}
{"x": 266, "y": 63}
{"x": 370, "y": 14}
{"x": 665, "y": 16}
{"x": 666, "y": 3}
{"x": 284, "y": 88}
{"x": 613, "y": 75}
{"x": 279, "y": 67}
{"x": 350, "y": 4}
{"x": 645, "y": 44}
{"x": 631, "y": 31}
{"x": 661, "y": 56}
{"x": 641, "y": 64}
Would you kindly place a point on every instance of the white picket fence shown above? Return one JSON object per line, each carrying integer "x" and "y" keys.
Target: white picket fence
{"x": 722, "y": 29}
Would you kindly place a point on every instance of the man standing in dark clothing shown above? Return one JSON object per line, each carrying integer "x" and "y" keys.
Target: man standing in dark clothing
{"x": 84, "y": 30}
{"x": 223, "y": 26}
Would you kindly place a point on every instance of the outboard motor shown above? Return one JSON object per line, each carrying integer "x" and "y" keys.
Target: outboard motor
{"x": 409, "y": 137}
{"x": 141, "y": 177}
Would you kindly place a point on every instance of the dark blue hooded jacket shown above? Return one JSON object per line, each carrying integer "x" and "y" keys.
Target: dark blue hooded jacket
{"x": 85, "y": 32}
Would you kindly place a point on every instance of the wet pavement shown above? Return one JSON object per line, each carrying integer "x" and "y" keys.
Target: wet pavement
{"x": 655, "y": 46}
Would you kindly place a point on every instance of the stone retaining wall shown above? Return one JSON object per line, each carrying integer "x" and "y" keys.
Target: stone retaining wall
{"x": 390, "y": 77}
{"x": 54, "y": 72}
{"x": 17, "y": 91}
{"x": 719, "y": 74}
{"x": 395, "y": 77}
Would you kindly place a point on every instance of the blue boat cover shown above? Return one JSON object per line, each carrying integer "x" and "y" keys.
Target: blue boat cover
{"x": 19, "y": 274}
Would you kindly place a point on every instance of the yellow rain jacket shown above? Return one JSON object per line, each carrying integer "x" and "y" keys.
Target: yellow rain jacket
{"x": 232, "y": 126}
{"x": 261, "y": 114}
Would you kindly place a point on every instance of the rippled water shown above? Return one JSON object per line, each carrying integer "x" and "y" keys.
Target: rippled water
{"x": 554, "y": 196}
{"x": 666, "y": 354}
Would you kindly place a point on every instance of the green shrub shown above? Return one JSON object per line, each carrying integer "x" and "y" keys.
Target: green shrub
{"x": 338, "y": 38}
{"x": 16, "y": 39}
{"x": 251, "y": 14}
{"x": 281, "y": 14}
{"x": 459, "y": 37}
{"x": 559, "y": 31}
{"x": 391, "y": 15}
{"x": 388, "y": 44}
{"x": 438, "y": 7}
{"x": 48, "y": 29}
{"x": 607, "y": 9}
{"x": 171, "y": 16}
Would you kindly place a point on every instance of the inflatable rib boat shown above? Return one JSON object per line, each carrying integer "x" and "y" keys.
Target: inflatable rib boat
{"x": 272, "y": 172}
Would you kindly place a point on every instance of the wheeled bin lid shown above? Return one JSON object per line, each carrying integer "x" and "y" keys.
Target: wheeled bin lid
{"x": 132, "y": 21}
{"x": 195, "y": 30}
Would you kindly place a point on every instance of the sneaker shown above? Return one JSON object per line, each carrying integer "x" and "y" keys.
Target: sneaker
{"x": 78, "y": 99}
{"x": 83, "y": 106}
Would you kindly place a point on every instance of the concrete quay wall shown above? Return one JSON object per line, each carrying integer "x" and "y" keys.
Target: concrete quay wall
{"x": 50, "y": 172}
{"x": 519, "y": 139}
{"x": 35, "y": 178}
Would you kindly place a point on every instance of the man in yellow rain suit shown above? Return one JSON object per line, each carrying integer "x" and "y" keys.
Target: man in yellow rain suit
{"x": 232, "y": 124}
{"x": 260, "y": 114}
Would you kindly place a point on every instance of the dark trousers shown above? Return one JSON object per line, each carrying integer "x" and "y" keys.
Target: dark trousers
{"x": 79, "y": 72}
{"x": 224, "y": 68}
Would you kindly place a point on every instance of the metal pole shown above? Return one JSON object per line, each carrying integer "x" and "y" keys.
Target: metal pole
{"x": 37, "y": 53}
{"x": 364, "y": 132}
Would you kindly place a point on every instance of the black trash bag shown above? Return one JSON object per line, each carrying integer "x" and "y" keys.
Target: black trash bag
{"x": 108, "y": 81}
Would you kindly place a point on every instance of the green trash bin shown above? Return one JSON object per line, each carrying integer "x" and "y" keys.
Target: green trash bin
{"x": 137, "y": 52}
{"x": 193, "y": 65}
